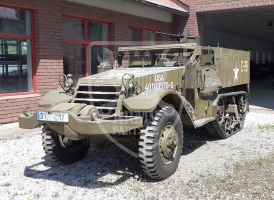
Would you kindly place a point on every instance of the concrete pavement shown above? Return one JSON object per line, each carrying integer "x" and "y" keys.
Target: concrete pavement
{"x": 12, "y": 130}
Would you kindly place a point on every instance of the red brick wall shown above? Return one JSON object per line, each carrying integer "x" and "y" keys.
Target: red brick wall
{"x": 193, "y": 24}
{"x": 48, "y": 50}
{"x": 49, "y": 47}
{"x": 179, "y": 23}
{"x": 222, "y": 5}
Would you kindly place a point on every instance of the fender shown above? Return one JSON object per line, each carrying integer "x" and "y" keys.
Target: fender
{"x": 54, "y": 97}
{"x": 150, "y": 99}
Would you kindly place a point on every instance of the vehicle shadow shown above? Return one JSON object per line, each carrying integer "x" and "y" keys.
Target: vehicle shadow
{"x": 261, "y": 94}
{"x": 105, "y": 168}
{"x": 195, "y": 138}
{"x": 98, "y": 169}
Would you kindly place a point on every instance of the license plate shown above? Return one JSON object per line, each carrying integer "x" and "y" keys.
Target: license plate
{"x": 52, "y": 117}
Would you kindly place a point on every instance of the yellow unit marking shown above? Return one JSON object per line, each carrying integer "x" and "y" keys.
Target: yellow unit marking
{"x": 244, "y": 66}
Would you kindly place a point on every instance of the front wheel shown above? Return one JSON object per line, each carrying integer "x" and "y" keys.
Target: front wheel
{"x": 62, "y": 152}
{"x": 160, "y": 144}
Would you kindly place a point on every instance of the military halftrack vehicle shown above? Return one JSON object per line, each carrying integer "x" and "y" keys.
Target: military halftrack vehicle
{"x": 146, "y": 100}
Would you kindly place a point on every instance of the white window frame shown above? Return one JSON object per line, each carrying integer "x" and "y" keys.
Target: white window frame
{"x": 257, "y": 59}
{"x": 269, "y": 57}
{"x": 251, "y": 54}
{"x": 263, "y": 57}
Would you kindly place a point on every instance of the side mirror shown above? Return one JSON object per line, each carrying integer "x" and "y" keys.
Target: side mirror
{"x": 66, "y": 81}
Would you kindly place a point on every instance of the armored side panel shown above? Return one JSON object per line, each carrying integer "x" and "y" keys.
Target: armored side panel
{"x": 233, "y": 66}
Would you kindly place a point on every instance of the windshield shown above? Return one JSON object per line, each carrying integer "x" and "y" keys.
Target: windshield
{"x": 153, "y": 60}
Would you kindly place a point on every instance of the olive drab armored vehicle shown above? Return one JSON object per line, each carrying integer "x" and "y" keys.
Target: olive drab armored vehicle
{"x": 147, "y": 99}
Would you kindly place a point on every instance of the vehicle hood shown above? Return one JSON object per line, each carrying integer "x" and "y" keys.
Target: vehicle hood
{"x": 115, "y": 76}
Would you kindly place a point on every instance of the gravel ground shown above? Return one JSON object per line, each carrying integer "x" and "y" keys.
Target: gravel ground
{"x": 240, "y": 167}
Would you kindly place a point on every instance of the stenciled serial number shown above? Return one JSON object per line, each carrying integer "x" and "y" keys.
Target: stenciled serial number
{"x": 159, "y": 86}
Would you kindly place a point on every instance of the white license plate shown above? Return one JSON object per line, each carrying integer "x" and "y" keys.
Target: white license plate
{"x": 52, "y": 117}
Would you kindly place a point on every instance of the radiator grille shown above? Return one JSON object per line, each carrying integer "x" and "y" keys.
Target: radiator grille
{"x": 103, "y": 97}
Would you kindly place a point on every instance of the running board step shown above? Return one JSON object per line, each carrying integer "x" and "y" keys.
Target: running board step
{"x": 201, "y": 122}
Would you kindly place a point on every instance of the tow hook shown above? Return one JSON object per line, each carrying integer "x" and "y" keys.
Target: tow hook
{"x": 25, "y": 112}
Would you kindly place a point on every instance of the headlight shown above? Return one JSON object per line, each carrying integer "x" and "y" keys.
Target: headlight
{"x": 130, "y": 83}
{"x": 94, "y": 115}
{"x": 89, "y": 112}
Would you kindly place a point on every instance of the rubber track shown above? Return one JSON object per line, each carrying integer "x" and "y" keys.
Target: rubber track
{"x": 147, "y": 154}
{"x": 216, "y": 130}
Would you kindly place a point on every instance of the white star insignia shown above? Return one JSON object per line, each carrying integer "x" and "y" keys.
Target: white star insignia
{"x": 147, "y": 54}
{"x": 236, "y": 71}
{"x": 126, "y": 54}
{"x": 136, "y": 54}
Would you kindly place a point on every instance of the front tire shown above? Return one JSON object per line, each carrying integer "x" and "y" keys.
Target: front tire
{"x": 60, "y": 154}
{"x": 160, "y": 144}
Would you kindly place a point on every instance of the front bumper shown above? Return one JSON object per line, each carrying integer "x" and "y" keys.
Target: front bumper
{"x": 77, "y": 128}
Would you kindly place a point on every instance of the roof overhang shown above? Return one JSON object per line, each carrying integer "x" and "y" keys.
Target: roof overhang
{"x": 175, "y": 6}
{"x": 160, "y": 10}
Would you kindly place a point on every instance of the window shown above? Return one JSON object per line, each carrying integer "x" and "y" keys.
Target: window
{"x": 135, "y": 36}
{"x": 74, "y": 60}
{"x": 149, "y": 37}
{"x": 98, "y": 32}
{"x": 85, "y": 45}
{"x": 139, "y": 36}
{"x": 263, "y": 57}
{"x": 16, "y": 40}
{"x": 269, "y": 57}
{"x": 73, "y": 29}
{"x": 257, "y": 57}
{"x": 251, "y": 54}
{"x": 148, "y": 59}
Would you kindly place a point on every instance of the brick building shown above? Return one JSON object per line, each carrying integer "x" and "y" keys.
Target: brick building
{"x": 41, "y": 39}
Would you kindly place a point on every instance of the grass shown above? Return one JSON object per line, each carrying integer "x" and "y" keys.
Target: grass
{"x": 266, "y": 127}
{"x": 253, "y": 164}
{"x": 55, "y": 195}
{"x": 267, "y": 160}
{"x": 194, "y": 180}
{"x": 222, "y": 180}
{"x": 137, "y": 189}
{"x": 37, "y": 196}
{"x": 7, "y": 184}
{"x": 238, "y": 165}
{"x": 252, "y": 179}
